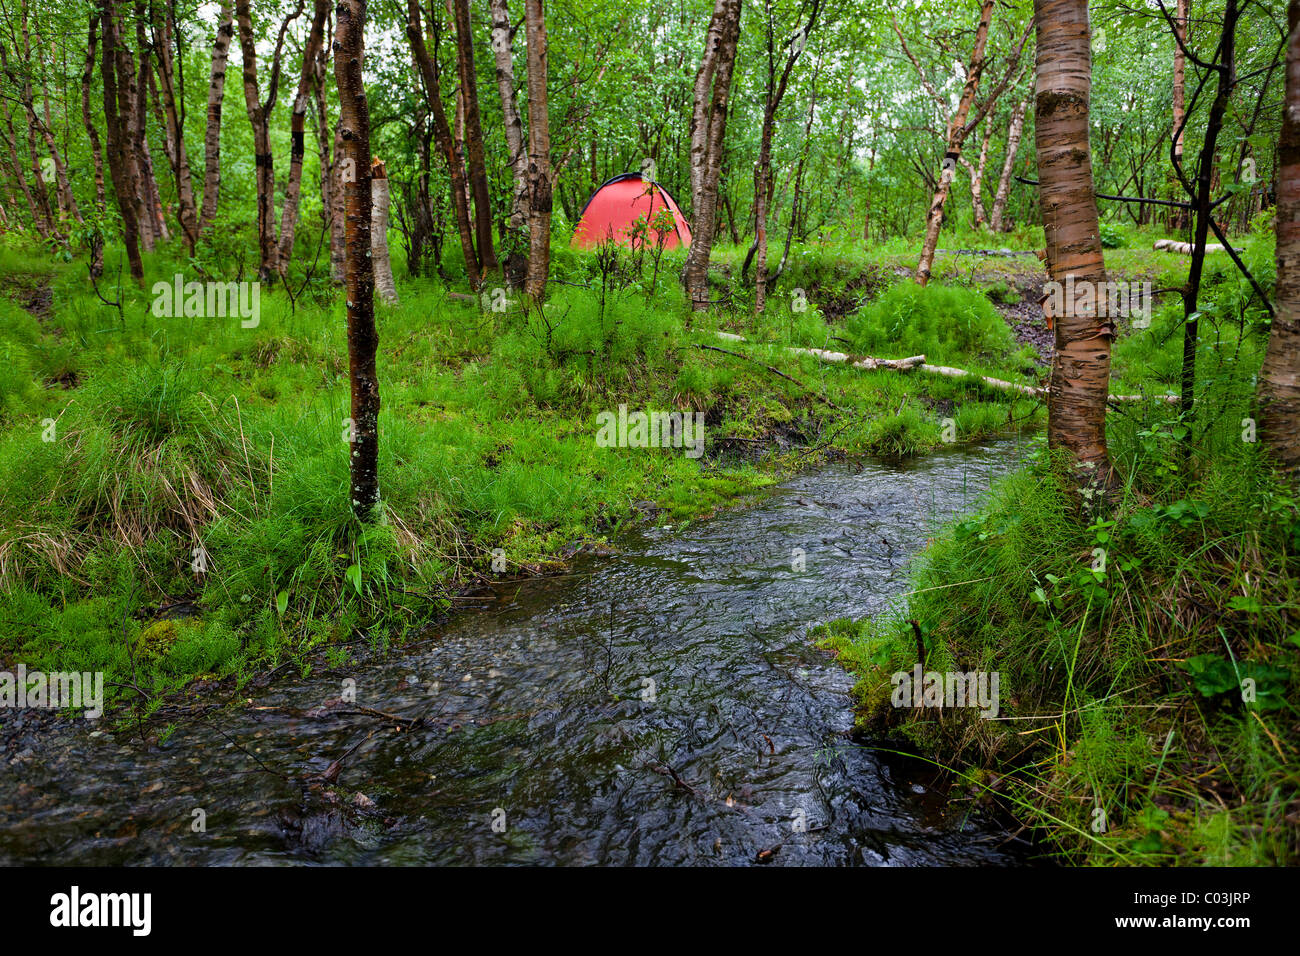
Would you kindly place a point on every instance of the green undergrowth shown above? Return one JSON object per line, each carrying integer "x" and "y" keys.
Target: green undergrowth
{"x": 1147, "y": 652}
{"x": 174, "y": 491}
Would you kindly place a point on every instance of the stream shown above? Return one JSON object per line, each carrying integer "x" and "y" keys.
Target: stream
{"x": 662, "y": 706}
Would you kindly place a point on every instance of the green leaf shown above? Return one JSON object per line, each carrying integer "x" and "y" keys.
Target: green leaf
{"x": 282, "y": 603}
{"x": 354, "y": 575}
{"x": 1211, "y": 674}
{"x": 1245, "y": 602}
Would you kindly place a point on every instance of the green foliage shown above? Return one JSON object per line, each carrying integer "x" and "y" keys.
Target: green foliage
{"x": 941, "y": 322}
{"x": 1178, "y": 595}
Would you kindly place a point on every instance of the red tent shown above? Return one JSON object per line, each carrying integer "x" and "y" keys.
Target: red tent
{"x": 615, "y": 206}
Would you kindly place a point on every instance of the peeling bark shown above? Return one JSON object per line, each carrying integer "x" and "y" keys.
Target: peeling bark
{"x": 957, "y": 132}
{"x": 1080, "y": 379}
{"x": 379, "y": 202}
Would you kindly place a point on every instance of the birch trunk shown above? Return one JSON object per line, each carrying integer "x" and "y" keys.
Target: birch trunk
{"x": 478, "y": 180}
{"x": 259, "y": 117}
{"x": 956, "y": 136}
{"x": 442, "y": 132}
{"x": 150, "y": 195}
{"x": 1279, "y": 379}
{"x": 118, "y": 153}
{"x": 539, "y": 155}
{"x": 379, "y": 202}
{"x": 709, "y": 121}
{"x": 363, "y": 341}
{"x": 977, "y": 179}
{"x": 212, "y": 134}
{"x": 39, "y": 219}
{"x": 297, "y": 133}
{"x": 1080, "y": 377}
{"x": 92, "y": 133}
{"x": 516, "y": 241}
{"x": 174, "y": 106}
{"x": 1008, "y": 166}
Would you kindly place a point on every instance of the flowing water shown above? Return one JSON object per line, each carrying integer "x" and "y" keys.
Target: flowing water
{"x": 660, "y": 706}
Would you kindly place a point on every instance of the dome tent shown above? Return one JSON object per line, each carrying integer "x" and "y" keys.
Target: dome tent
{"x": 614, "y": 208}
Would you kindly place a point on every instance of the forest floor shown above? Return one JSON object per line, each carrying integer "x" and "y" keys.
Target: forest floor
{"x": 173, "y": 497}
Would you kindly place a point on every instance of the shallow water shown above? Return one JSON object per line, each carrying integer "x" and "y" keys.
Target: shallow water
{"x": 662, "y": 706}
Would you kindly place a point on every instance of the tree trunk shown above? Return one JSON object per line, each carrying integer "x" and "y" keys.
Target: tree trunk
{"x": 713, "y": 42}
{"x": 977, "y": 178}
{"x": 1080, "y": 378}
{"x": 956, "y": 135}
{"x": 174, "y": 106}
{"x": 363, "y": 341}
{"x": 150, "y": 195}
{"x": 763, "y": 171}
{"x": 63, "y": 190}
{"x": 212, "y": 135}
{"x": 118, "y": 153}
{"x": 1178, "y": 219}
{"x": 1180, "y": 25}
{"x": 259, "y": 117}
{"x": 708, "y": 126}
{"x": 297, "y": 133}
{"x": 1008, "y": 165}
{"x": 442, "y": 133}
{"x": 40, "y": 219}
{"x": 539, "y": 155}
{"x": 263, "y": 168}
{"x": 516, "y": 261}
{"x": 23, "y": 87}
{"x": 478, "y": 180}
{"x": 92, "y": 133}
{"x": 1206, "y": 186}
{"x": 379, "y": 202}
{"x": 338, "y": 212}
{"x": 330, "y": 148}
{"x": 1279, "y": 379}
{"x": 134, "y": 189}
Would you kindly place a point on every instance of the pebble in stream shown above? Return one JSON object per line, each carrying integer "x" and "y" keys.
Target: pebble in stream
{"x": 661, "y": 707}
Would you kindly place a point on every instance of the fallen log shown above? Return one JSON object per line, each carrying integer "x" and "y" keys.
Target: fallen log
{"x": 1186, "y": 248}
{"x": 991, "y": 382}
{"x": 910, "y": 363}
{"x": 868, "y": 363}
